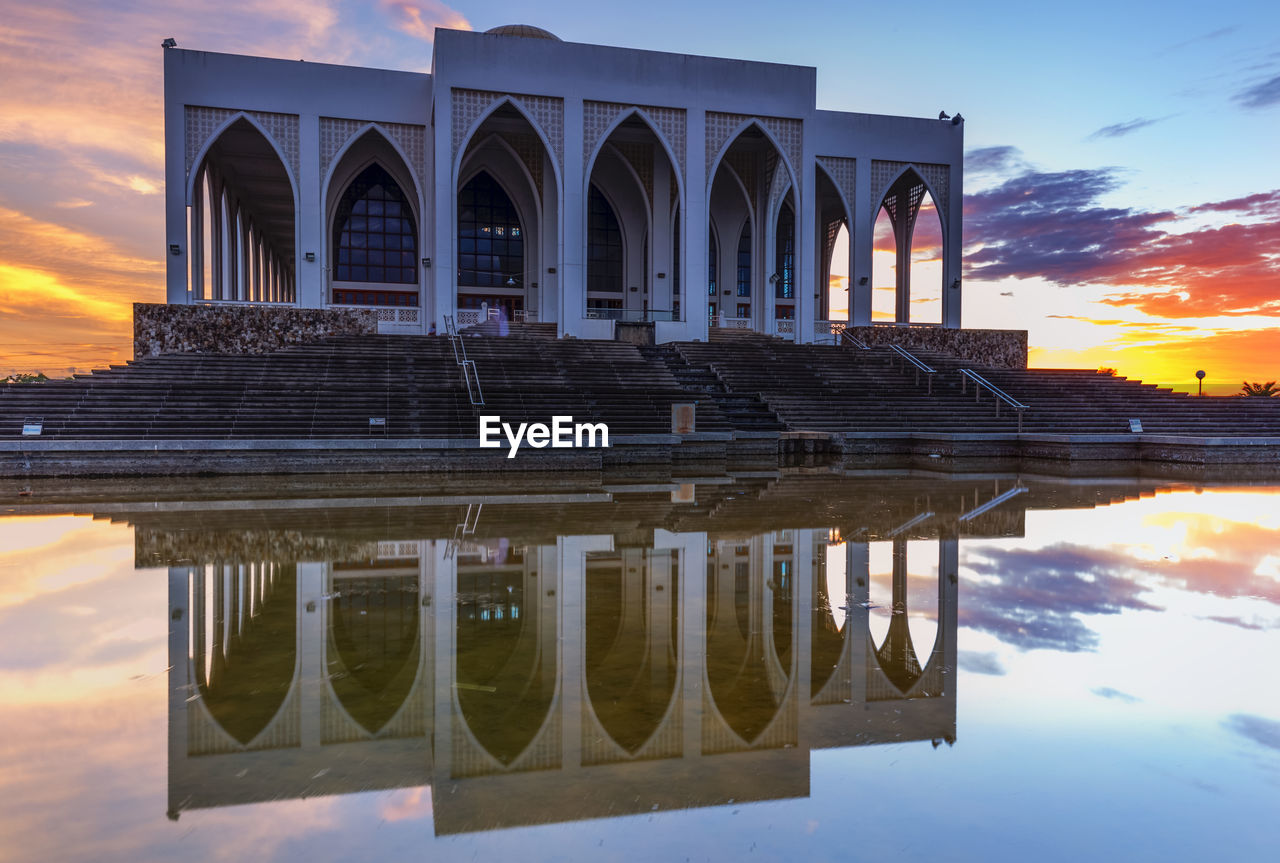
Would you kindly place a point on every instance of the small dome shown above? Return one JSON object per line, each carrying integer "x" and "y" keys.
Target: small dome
{"x": 524, "y": 31}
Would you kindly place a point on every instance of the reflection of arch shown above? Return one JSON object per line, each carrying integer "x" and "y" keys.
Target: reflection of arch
{"x": 897, "y": 657}
{"x": 505, "y": 685}
{"x": 631, "y": 648}
{"x": 243, "y": 200}
{"x": 374, "y": 637}
{"x": 749, "y": 672}
{"x": 245, "y": 647}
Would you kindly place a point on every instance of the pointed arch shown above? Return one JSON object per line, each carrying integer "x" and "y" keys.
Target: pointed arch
{"x": 467, "y": 137}
{"x": 733, "y": 138}
{"x": 623, "y": 116}
{"x": 203, "y": 152}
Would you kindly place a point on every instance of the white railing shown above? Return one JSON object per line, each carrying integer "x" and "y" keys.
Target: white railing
{"x": 527, "y": 316}
{"x": 728, "y": 323}
{"x": 468, "y": 317}
{"x": 390, "y": 319}
{"x": 785, "y": 326}
{"x": 829, "y": 328}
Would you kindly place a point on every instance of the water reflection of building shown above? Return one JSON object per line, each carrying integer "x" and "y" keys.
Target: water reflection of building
{"x": 582, "y": 676}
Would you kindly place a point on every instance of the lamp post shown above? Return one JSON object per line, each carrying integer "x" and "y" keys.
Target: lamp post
{"x": 1200, "y": 382}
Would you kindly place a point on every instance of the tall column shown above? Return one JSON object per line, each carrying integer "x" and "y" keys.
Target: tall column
{"x": 902, "y": 231}
{"x": 861, "y": 242}
{"x": 695, "y": 224}
{"x": 953, "y": 242}
{"x": 807, "y": 264}
{"x": 660, "y": 232}
{"x": 443, "y": 273}
{"x": 309, "y": 228}
{"x": 217, "y": 291}
{"x": 312, "y": 615}
{"x": 195, "y": 243}
{"x": 572, "y": 272}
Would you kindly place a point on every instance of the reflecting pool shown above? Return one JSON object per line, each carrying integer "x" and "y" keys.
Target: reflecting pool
{"x": 800, "y": 665}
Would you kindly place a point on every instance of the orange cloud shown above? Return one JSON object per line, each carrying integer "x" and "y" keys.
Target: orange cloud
{"x": 420, "y": 18}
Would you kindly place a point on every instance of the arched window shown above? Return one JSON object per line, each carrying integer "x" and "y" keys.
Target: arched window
{"x": 375, "y": 239}
{"x": 786, "y": 259}
{"x": 490, "y": 238}
{"x": 604, "y": 252}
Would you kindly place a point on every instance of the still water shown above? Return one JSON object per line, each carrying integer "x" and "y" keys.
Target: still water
{"x": 798, "y": 666}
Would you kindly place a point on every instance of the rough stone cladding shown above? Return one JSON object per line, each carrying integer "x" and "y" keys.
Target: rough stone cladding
{"x": 167, "y": 329}
{"x": 1002, "y": 349}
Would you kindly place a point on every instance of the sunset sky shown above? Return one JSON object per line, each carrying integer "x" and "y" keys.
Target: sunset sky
{"x": 1122, "y": 181}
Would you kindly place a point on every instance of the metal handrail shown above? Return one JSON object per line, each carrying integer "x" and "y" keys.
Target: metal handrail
{"x": 993, "y": 503}
{"x": 854, "y": 340}
{"x": 1000, "y": 395}
{"x": 469, "y": 370}
{"x": 919, "y": 366}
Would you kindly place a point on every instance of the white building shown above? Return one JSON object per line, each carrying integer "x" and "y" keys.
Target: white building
{"x": 569, "y": 183}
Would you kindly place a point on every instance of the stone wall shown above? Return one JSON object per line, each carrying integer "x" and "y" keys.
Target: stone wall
{"x": 1004, "y": 349}
{"x": 234, "y": 329}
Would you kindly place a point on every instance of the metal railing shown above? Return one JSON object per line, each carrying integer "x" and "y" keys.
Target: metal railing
{"x": 470, "y": 375}
{"x": 999, "y": 395}
{"x": 993, "y": 503}
{"x": 918, "y": 365}
{"x": 858, "y": 343}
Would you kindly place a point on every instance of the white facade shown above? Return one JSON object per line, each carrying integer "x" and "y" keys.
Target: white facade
{"x": 626, "y": 177}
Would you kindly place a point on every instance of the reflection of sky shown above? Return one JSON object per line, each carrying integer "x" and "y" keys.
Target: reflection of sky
{"x": 1154, "y": 738}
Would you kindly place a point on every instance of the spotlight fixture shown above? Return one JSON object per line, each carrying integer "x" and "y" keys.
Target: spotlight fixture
{"x": 864, "y": 280}
{"x": 943, "y": 115}
{"x": 311, "y": 256}
{"x": 955, "y": 285}
{"x": 511, "y": 282}
{"x": 426, "y": 263}
{"x": 957, "y": 120}
{"x": 169, "y": 43}
{"x": 175, "y": 249}
{"x": 774, "y": 278}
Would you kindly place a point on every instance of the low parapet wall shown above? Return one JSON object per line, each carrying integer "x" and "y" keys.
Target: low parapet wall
{"x": 159, "y": 328}
{"x": 1002, "y": 349}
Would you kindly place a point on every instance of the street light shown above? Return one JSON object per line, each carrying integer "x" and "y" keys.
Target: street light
{"x": 1200, "y": 379}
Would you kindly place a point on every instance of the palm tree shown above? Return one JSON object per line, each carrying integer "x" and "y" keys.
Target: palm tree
{"x": 1266, "y": 390}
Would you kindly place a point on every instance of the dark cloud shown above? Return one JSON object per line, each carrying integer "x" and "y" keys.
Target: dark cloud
{"x": 1115, "y": 695}
{"x": 1119, "y": 130}
{"x": 980, "y": 663}
{"x": 1051, "y": 225}
{"x": 1038, "y": 597}
{"x": 1259, "y": 729}
{"x": 1235, "y": 621}
{"x": 994, "y": 160}
{"x": 1262, "y": 95}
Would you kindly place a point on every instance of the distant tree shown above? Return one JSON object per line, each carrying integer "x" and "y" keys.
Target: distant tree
{"x": 1257, "y": 390}
{"x": 1105, "y": 370}
{"x": 27, "y": 378}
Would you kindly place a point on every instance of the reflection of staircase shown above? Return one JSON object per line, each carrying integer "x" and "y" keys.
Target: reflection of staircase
{"x": 466, "y": 528}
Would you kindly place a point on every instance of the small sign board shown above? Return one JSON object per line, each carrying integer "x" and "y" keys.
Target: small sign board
{"x": 32, "y": 426}
{"x": 377, "y": 424}
{"x": 1135, "y": 425}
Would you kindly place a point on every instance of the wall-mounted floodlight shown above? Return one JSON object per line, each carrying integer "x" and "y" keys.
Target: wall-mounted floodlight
{"x": 426, "y": 263}
{"x": 863, "y": 280}
{"x": 311, "y": 256}
{"x": 774, "y": 278}
{"x": 175, "y": 249}
{"x": 955, "y": 285}
{"x": 662, "y": 275}
{"x": 551, "y": 270}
